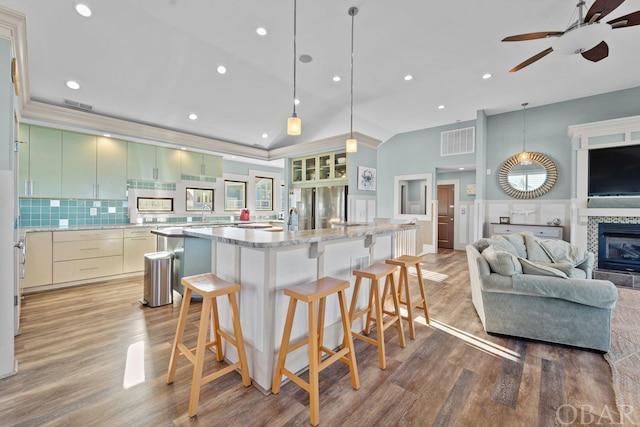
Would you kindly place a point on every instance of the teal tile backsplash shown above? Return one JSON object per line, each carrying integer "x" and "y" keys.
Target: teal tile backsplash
{"x": 72, "y": 212}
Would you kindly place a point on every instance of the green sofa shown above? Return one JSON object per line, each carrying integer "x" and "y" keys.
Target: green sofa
{"x": 540, "y": 289}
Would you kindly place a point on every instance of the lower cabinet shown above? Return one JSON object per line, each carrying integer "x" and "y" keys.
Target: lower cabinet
{"x": 137, "y": 242}
{"x": 86, "y": 254}
{"x": 38, "y": 259}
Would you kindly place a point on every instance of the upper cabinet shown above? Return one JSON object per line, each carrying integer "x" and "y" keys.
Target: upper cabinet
{"x": 319, "y": 168}
{"x": 93, "y": 167}
{"x": 199, "y": 164}
{"x": 40, "y": 156}
{"x": 151, "y": 163}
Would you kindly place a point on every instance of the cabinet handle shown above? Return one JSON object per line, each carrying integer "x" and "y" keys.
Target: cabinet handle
{"x": 89, "y": 249}
{"x": 89, "y": 268}
{"x": 137, "y": 238}
{"x": 155, "y": 173}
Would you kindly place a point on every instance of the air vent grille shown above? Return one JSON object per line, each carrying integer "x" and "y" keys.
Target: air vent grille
{"x": 459, "y": 141}
{"x": 77, "y": 105}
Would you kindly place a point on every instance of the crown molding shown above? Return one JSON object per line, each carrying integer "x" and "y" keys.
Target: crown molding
{"x": 334, "y": 143}
{"x": 605, "y": 127}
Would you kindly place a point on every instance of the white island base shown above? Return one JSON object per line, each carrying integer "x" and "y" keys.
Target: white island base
{"x": 264, "y": 269}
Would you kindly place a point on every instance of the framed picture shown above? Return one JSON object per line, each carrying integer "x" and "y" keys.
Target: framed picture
{"x": 504, "y": 220}
{"x": 366, "y": 178}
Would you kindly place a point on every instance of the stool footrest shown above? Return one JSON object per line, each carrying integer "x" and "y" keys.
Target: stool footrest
{"x": 334, "y": 356}
{"x": 221, "y": 372}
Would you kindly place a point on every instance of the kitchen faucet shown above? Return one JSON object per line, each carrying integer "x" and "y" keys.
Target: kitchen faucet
{"x": 205, "y": 207}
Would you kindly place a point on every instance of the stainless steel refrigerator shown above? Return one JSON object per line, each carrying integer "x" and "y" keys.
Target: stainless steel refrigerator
{"x": 318, "y": 207}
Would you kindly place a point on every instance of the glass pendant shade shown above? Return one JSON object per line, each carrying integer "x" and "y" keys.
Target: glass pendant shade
{"x": 525, "y": 158}
{"x": 294, "y": 125}
{"x": 352, "y": 145}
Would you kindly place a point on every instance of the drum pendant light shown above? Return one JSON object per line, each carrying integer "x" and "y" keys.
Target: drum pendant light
{"x": 352, "y": 143}
{"x": 294, "y": 124}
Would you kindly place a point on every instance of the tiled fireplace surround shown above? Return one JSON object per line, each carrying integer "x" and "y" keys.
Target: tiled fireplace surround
{"x": 619, "y": 278}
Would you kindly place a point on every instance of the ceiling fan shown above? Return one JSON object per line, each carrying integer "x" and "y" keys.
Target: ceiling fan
{"x": 585, "y": 35}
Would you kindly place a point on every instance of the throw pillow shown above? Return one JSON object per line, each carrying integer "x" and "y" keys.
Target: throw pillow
{"x": 530, "y": 267}
{"x": 517, "y": 240}
{"x": 502, "y": 262}
{"x": 561, "y": 251}
{"x": 565, "y": 267}
{"x": 535, "y": 252}
{"x": 499, "y": 242}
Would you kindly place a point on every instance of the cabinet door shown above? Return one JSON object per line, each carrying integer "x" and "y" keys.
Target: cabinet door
{"x": 296, "y": 170}
{"x": 78, "y": 165}
{"x": 111, "y": 168}
{"x": 23, "y": 160}
{"x": 38, "y": 268}
{"x": 212, "y": 165}
{"x": 45, "y": 161}
{"x": 191, "y": 163}
{"x": 141, "y": 161}
{"x": 134, "y": 250}
{"x": 168, "y": 164}
{"x": 325, "y": 161}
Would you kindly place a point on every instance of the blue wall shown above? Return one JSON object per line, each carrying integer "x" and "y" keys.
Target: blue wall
{"x": 545, "y": 131}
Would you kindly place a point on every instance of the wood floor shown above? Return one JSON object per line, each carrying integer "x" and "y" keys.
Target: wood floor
{"x": 73, "y": 349}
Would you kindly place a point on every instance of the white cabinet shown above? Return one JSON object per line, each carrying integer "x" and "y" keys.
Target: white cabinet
{"x": 40, "y": 160}
{"x": 86, "y": 254}
{"x": 137, "y": 242}
{"x": 541, "y": 231}
{"x": 200, "y": 164}
{"x": 38, "y": 259}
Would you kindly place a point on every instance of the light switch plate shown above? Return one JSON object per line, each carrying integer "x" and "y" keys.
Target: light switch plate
{"x": 93, "y": 211}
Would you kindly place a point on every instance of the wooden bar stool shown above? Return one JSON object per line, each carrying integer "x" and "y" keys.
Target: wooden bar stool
{"x": 310, "y": 293}
{"x": 404, "y": 262}
{"x": 210, "y": 287}
{"x": 375, "y": 310}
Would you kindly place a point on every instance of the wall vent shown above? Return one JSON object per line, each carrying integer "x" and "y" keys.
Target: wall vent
{"x": 77, "y": 105}
{"x": 459, "y": 141}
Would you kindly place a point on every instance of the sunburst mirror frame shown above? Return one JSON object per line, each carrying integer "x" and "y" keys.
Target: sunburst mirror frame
{"x": 544, "y": 161}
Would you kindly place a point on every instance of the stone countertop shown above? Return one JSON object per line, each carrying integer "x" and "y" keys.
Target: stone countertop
{"x": 265, "y": 238}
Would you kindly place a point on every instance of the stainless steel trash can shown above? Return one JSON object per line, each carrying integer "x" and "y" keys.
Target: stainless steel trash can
{"x": 158, "y": 269}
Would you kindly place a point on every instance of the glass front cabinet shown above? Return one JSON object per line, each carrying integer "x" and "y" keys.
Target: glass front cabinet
{"x": 319, "y": 168}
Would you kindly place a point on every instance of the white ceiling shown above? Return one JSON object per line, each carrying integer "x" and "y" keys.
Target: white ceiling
{"x": 154, "y": 62}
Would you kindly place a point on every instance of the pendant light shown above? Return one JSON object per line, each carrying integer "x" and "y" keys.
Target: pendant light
{"x": 352, "y": 143}
{"x": 294, "y": 124}
{"x": 524, "y": 157}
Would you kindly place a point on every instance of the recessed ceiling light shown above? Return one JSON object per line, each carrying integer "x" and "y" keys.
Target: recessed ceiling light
{"x": 297, "y": 101}
{"x": 183, "y": 148}
{"x": 233, "y": 157}
{"x": 487, "y": 76}
{"x": 72, "y": 84}
{"x": 193, "y": 116}
{"x": 408, "y": 77}
{"x": 106, "y": 135}
{"x": 261, "y": 31}
{"x": 336, "y": 78}
{"x": 440, "y": 107}
{"x": 460, "y": 169}
{"x": 83, "y": 10}
{"x": 265, "y": 135}
{"x": 222, "y": 69}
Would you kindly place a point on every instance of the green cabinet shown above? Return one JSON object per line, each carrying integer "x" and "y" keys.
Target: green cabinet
{"x": 319, "y": 168}
{"x": 150, "y": 163}
{"x": 40, "y": 161}
{"x": 199, "y": 164}
{"x": 93, "y": 167}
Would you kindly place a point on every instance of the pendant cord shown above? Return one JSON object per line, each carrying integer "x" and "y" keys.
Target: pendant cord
{"x": 353, "y": 18}
{"x": 294, "y": 55}
{"x": 524, "y": 125}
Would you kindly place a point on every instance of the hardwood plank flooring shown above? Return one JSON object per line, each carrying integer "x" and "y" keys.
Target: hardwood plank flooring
{"x": 73, "y": 348}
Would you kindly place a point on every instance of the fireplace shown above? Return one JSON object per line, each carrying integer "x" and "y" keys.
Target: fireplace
{"x": 619, "y": 247}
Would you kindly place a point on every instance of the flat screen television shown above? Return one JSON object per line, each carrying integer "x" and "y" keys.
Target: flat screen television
{"x": 614, "y": 171}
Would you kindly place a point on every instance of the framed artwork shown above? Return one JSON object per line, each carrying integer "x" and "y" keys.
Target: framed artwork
{"x": 504, "y": 220}
{"x": 366, "y": 178}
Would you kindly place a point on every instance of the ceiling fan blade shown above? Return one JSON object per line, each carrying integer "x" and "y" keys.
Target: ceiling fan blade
{"x": 601, "y": 8}
{"x": 597, "y": 53}
{"x": 531, "y": 60}
{"x": 626, "y": 21}
{"x": 533, "y": 36}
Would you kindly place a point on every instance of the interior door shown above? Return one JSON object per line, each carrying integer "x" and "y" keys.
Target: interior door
{"x": 446, "y": 215}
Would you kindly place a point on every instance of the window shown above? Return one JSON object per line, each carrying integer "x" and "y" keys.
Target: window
{"x": 264, "y": 193}
{"x": 199, "y": 199}
{"x": 235, "y": 195}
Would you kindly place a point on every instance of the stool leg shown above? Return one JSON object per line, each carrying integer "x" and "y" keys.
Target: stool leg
{"x": 215, "y": 319}
{"x": 396, "y": 305}
{"x": 314, "y": 388}
{"x": 377, "y": 305}
{"x": 196, "y": 382}
{"x": 354, "y": 298}
{"x": 321, "y": 312}
{"x": 404, "y": 279}
{"x": 370, "y": 308}
{"x": 423, "y": 295}
{"x": 237, "y": 330}
{"x": 346, "y": 326}
{"x": 284, "y": 346}
{"x": 182, "y": 322}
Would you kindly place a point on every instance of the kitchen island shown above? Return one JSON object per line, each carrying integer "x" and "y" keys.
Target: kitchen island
{"x": 264, "y": 262}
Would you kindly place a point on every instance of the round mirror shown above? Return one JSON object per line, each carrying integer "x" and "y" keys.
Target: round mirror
{"x": 527, "y": 181}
